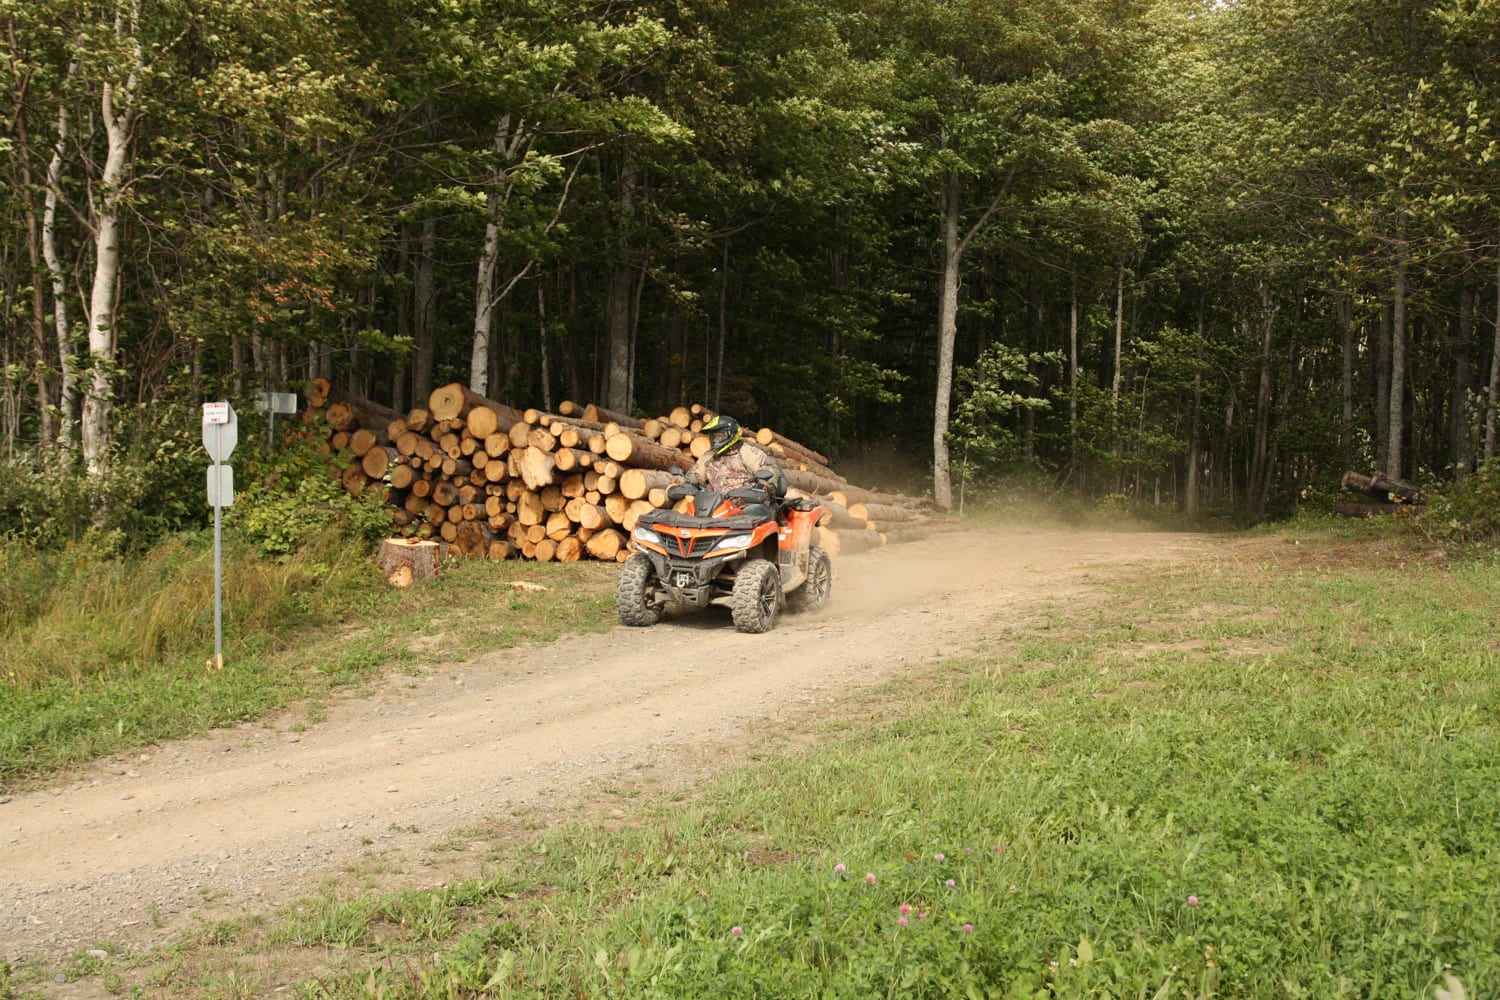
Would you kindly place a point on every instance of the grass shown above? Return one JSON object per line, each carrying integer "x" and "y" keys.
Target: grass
{"x": 99, "y": 656}
{"x": 1271, "y": 774}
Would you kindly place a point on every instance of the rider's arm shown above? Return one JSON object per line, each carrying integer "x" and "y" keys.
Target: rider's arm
{"x": 757, "y": 460}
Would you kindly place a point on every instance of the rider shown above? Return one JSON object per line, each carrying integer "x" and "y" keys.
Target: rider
{"x": 731, "y": 461}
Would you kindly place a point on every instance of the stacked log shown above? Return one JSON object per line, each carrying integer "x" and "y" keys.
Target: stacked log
{"x": 484, "y": 479}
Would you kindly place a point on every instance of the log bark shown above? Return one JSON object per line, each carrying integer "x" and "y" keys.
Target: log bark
{"x": 765, "y": 437}
{"x": 638, "y": 483}
{"x": 603, "y": 416}
{"x": 881, "y": 512}
{"x": 348, "y": 412}
{"x": 642, "y": 453}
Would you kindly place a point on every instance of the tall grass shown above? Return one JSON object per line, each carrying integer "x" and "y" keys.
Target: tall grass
{"x": 108, "y": 652}
{"x": 100, "y": 653}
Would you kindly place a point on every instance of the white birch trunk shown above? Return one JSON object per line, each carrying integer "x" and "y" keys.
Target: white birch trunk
{"x": 68, "y": 396}
{"x": 510, "y": 146}
{"x": 117, "y": 114}
{"x": 484, "y": 295}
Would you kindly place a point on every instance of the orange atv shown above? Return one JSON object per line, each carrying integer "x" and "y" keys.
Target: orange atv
{"x": 749, "y": 548}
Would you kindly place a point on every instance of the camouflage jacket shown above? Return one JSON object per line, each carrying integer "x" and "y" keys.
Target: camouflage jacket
{"x": 735, "y": 469}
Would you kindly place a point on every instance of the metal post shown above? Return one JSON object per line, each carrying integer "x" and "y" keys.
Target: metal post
{"x": 218, "y": 585}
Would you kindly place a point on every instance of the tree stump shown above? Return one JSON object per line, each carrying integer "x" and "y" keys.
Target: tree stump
{"x": 405, "y": 561}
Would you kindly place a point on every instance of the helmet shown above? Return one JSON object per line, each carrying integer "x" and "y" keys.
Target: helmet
{"x": 723, "y": 433}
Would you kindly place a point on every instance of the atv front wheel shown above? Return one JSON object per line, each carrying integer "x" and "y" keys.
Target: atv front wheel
{"x": 813, "y": 593}
{"x": 757, "y": 596}
{"x": 633, "y": 592}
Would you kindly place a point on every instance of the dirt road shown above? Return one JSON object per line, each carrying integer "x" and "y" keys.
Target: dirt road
{"x": 243, "y": 819}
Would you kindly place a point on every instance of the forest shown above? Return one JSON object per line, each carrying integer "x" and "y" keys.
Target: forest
{"x": 1203, "y": 255}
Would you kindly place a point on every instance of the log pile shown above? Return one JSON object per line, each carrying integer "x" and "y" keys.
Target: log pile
{"x": 480, "y": 478}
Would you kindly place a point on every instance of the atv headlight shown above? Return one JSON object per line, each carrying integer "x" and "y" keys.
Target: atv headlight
{"x": 731, "y": 542}
{"x": 645, "y": 534}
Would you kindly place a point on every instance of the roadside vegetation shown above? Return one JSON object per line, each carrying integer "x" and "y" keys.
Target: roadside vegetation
{"x": 1269, "y": 774}
{"x": 104, "y": 647}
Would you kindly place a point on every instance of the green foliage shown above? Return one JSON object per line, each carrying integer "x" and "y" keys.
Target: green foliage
{"x": 1467, "y": 512}
{"x": 1001, "y": 384}
{"x": 280, "y": 522}
{"x": 153, "y": 486}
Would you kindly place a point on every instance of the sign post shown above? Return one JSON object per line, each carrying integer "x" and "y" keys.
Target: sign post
{"x": 221, "y": 433}
{"x": 274, "y": 403}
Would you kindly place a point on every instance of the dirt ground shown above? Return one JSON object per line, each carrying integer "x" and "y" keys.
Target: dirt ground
{"x": 139, "y": 849}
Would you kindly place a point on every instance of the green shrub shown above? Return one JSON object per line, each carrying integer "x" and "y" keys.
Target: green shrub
{"x": 281, "y": 521}
{"x": 1467, "y": 512}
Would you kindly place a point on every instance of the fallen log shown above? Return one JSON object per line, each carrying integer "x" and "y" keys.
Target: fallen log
{"x": 1381, "y": 488}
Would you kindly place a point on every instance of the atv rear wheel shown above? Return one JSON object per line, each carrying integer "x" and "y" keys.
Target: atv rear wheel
{"x": 634, "y": 592}
{"x": 813, "y": 593}
{"x": 757, "y": 596}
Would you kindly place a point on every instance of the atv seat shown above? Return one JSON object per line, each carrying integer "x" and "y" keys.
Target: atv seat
{"x": 672, "y": 519}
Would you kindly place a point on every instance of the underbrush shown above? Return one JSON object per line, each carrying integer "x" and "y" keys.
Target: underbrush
{"x": 1268, "y": 776}
{"x": 1466, "y": 513}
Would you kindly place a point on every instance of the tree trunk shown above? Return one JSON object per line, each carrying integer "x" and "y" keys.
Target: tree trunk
{"x": 942, "y": 485}
{"x": 424, "y": 310}
{"x": 45, "y": 412}
{"x": 1398, "y": 372}
{"x": 1073, "y": 372}
{"x": 617, "y": 323}
{"x": 1190, "y": 486}
{"x": 1382, "y": 356}
{"x": 1458, "y": 397}
{"x": 1345, "y": 310}
{"x": 1494, "y": 390}
{"x": 484, "y": 295}
{"x": 717, "y": 395}
{"x": 1381, "y": 487}
{"x": 1260, "y": 455}
{"x": 67, "y": 397}
{"x": 117, "y": 113}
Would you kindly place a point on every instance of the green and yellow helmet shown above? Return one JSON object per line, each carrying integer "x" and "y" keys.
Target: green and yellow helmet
{"x": 723, "y": 433}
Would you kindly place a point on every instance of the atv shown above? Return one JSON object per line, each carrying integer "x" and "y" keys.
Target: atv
{"x": 749, "y": 548}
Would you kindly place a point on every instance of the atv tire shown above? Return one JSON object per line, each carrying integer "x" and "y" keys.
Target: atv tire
{"x": 633, "y": 593}
{"x": 757, "y": 596}
{"x": 813, "y": 593}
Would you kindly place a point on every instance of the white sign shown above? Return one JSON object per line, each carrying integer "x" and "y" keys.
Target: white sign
{"x": 221, "y": 486}
{"x": 278, "y": 402}
{"x": 221, "y": 430}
